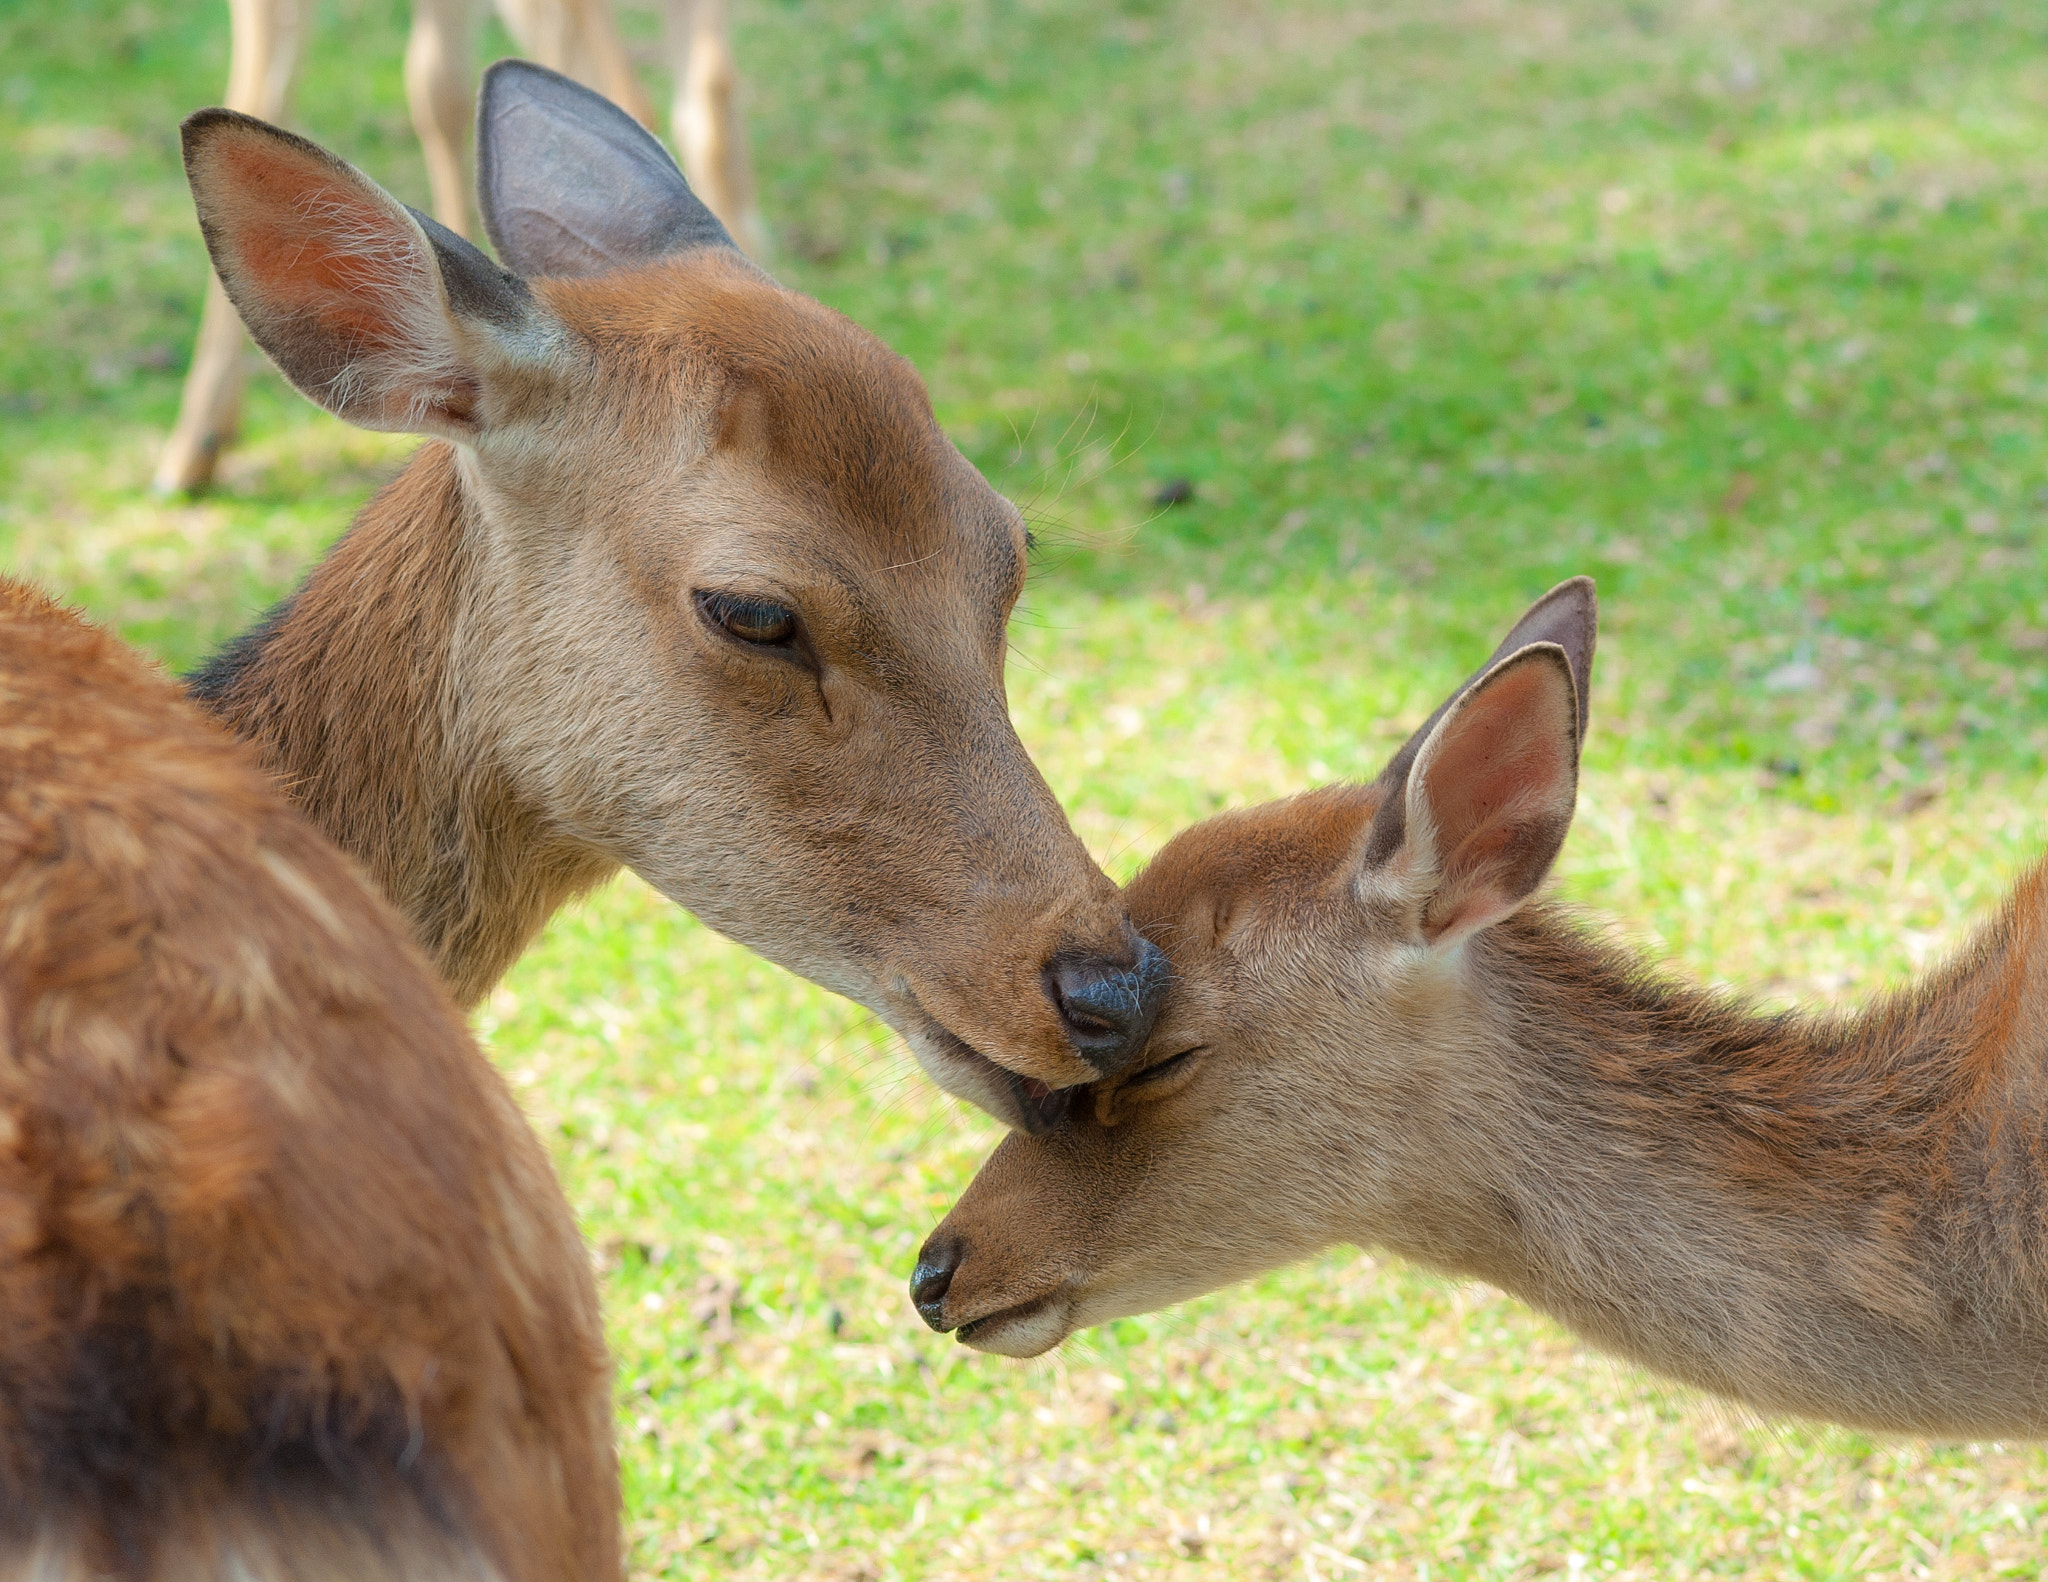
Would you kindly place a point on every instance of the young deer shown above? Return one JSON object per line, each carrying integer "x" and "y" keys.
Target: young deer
{"x": 578, "y": 37}
{"x": 1374, "y": 1038}
{"x": 686, "y": 578}
{"x": 287, "y": 1287}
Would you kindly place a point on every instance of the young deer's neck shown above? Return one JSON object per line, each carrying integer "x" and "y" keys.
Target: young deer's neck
{"x": 347, "y": 692}
{"x": 1832, "y": 1218}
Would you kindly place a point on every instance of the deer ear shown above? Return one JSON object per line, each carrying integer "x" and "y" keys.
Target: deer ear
{"x": 377, "y": 313}
{"x": 1475, "y": 807}
{"x": 569, "y": 184}
{"x": 1568, "y": 615}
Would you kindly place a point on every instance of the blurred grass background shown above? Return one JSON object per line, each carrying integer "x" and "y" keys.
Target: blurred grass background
{"x": 1426, "y": 304}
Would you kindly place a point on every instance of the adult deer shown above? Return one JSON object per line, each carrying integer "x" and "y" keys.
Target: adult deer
{"x": 287, "y": 1287}
{"x": 1375, "y": 1038}
{"x": 687, "y": 579}
{"x": 577, "y": 37}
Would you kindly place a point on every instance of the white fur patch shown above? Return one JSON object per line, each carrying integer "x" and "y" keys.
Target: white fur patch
{"x": 1029, "y": 1334}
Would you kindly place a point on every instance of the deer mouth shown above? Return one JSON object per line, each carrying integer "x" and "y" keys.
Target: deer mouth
{"x": 1027, "y": 1329}
{"x": 1026, "y": 1103}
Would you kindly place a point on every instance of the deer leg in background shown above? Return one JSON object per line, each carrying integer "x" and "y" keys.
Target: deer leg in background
{"x": 576, "y": 37}
{"x": 705, "y": 123}
{"x": 440, "y": 86}
{"x": 610, "y": 67}
{"x": 579, "y": 39}
{"x": 267, "y": 38}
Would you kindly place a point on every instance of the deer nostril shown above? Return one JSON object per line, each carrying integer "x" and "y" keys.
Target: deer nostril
{"x": 1108, "y": 1008}
{"x": 933, "y": 1277}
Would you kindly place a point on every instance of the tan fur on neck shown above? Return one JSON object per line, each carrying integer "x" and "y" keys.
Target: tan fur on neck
{"x": 361, "y": 656}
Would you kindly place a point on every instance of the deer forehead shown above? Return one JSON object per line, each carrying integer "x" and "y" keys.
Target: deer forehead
{"x": 785, "y": 404}
{"x": 1272, "y": 950}
{"x": 1279, "y": 856}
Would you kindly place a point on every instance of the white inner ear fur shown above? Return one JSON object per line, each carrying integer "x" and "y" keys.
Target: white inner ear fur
{"x": 429, "y": 378}
{"x": 421, "y": 382}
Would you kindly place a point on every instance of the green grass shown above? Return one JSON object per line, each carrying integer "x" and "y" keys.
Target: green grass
{"x": 1733, "y": 306}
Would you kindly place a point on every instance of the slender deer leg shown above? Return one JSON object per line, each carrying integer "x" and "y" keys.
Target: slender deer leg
{"x": 265, "y": 54}
{"x": 580, "y": 39}
{"x": 440, "y": 88}
{"x": 705, "y": 121}
{"x": 603, "y": 53}
{"x": 543, "y": 30}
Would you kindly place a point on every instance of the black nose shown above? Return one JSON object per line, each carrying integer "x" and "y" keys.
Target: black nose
{"x": 933, "y": 1277}
{"x": 1109, "y": 1008}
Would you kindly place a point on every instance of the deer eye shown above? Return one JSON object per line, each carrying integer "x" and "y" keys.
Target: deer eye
{"x": 761, "y": 622}
{"x": 1166, "y": 1071}
{"x": 1153, "y": 1083}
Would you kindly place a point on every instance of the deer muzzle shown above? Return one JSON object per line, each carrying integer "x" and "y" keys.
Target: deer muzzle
{"x": 1108, "y": 1006}
{"x": 987, "y": 1320}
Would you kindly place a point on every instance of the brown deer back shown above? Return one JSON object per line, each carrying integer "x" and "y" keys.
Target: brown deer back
{"x": 286, "y": 1280}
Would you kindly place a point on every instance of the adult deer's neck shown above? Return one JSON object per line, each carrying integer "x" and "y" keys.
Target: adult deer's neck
{"x": 1835, "y": 1218}
{"x": 349, "y": 693}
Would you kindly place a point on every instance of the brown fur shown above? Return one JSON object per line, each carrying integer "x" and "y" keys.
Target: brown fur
{"x": 287, "y": 1286}
{"x": 500, "y": 685}
{"x": 1837, "y": 1217}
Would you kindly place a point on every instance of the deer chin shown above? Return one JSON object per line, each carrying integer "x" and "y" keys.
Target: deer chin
{"x": 1023, "y": 1103}
{"x": 1027, "y": 1329}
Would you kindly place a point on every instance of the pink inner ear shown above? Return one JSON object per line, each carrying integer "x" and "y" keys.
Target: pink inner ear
{"x": 1505, "y": 747}
{"x": 1499, "y": 788}
{"x": 304, "y": 242}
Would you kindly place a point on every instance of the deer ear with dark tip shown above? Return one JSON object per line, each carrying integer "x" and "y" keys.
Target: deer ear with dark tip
{"x": 1475, "y": 806}
{"x": 1567, "y": 616}
{"x": 569, "y": 184}
{"x": 1489, "y": 800}
{"x": 377, "y": 313}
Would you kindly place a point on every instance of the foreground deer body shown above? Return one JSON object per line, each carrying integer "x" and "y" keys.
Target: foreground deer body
{"x": 688, "y": 580}
{"x": 577, "y": 37}
{"x": 287, "y": 1287}
{"x": 1373, "y": 1040}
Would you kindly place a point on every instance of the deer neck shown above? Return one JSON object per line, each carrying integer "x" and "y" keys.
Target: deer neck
{"x": 350, "y": 693}
{"x": 1827, "y": 1218}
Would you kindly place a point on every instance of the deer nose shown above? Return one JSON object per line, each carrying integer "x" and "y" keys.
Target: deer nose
{"x": 1109, "y": 1008}
{"x": 933, "y": 1277}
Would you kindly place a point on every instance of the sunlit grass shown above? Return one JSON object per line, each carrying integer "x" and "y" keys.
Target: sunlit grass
{"x": 1735, "y": 306}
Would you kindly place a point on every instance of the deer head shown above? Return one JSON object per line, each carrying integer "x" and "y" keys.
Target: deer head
{"x": 1326, "y": 952}
{"x": 730, "y": 608}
